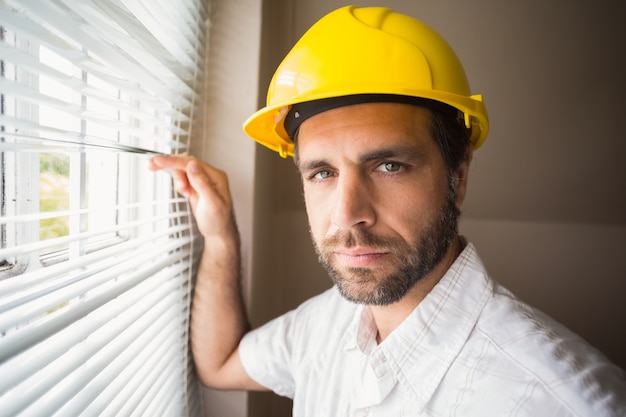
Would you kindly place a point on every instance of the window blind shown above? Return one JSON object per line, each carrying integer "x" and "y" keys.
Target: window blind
{"x": 97, "y": 254}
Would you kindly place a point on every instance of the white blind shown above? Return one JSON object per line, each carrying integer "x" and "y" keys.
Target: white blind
{"x": 97, "y": 254}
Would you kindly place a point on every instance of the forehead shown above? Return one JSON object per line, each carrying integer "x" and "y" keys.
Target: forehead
{"x": 364, "y": 127}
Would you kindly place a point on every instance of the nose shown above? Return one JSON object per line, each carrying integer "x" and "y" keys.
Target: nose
{"x": 353, "y": 202}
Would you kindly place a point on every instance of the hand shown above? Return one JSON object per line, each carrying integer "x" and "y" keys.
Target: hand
{"x": 207, "y": 190}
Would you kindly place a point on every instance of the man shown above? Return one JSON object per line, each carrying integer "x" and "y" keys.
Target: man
{"x": 375, "y": 108}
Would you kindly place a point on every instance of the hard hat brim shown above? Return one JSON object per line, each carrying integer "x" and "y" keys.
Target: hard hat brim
{"x": 267, "y": 125}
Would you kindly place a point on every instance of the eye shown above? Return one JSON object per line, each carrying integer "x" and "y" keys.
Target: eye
{"x": 322, "y": 175}
{"x": 389, "y": 167}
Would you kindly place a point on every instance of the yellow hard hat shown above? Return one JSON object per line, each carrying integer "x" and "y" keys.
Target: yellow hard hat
{"x": 366, "y": 51}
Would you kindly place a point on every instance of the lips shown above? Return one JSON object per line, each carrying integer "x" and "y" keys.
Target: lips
{"x": 359, "y": 258}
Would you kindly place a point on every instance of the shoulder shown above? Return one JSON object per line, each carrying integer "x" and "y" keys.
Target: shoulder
{"x": 321, "y": 314}
{"x": 273, "y": 353}
{"x": 543, "y": 352}
{"x": 325, "y": 313}
{"x": 322, "y": 301}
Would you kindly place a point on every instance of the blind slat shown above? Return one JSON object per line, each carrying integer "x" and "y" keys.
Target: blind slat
{"x": 45, "y": 303}
{"x": 148, "y": 393}
{"x": 176, "y": 63}
{"x": 62, "y": 396}
{"x": 26, "y": 217}
{"x": 65, "y": 21}
{"x": 40, "y": 133}
{"x": 69, "y": 373}
{"x": 11, "y": 54}
{"x": 19, "y": 58}
{"x": 42, "y": 245}
{"x": 39, "y": 281}
{"x": 98, "y": 393}
{"x": 56, "y": 146}
{"x": 162, "y": 395}
{"x": 112, "y": 399}
{"x": 130, "y": 312}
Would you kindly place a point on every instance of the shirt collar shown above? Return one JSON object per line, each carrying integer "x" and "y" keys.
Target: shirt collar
{"x": 419, "y": 352}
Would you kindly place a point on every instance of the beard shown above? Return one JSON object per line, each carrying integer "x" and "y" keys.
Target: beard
{"x": 373, "y": 286}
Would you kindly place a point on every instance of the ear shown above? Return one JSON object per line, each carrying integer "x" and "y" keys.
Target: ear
{"x": 462, "y": 173}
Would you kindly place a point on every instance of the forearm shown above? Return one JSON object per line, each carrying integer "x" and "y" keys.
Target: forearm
{"x": 218, "y": 318}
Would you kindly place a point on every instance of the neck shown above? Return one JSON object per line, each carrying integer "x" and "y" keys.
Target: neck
{"x": 389, "y": 317}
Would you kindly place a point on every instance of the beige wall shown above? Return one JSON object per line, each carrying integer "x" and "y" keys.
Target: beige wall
{"x": 546, "y": 205}
{"x": 231, "y": 94}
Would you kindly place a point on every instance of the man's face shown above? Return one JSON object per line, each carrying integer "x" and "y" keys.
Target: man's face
{"x": 381, "y": 208}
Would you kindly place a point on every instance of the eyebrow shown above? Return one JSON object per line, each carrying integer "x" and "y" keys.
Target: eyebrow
{"x": 410, "y": 153}
{"x": 311, "y": 165}
{"x": 402, "y": 152}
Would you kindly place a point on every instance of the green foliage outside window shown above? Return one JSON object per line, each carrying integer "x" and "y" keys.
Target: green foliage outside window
{"x": 54, "y": 175}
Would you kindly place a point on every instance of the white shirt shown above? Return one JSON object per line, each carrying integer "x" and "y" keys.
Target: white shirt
{"x": 469, "y": 349}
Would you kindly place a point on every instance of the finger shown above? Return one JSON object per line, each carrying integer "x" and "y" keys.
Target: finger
{"x": 175, "y": 165}
{"x": 169, "y": 162}
{"x": 207, "y": 180}
{"x": 181, "y": 183}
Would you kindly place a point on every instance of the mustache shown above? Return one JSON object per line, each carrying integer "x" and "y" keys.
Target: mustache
{"x": 357, "y": 237}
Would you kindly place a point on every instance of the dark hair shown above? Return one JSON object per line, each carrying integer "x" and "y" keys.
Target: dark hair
{"x": 452, "y": 136}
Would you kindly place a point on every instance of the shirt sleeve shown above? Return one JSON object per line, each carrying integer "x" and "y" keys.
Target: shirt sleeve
{"x": 266, "y": 355}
